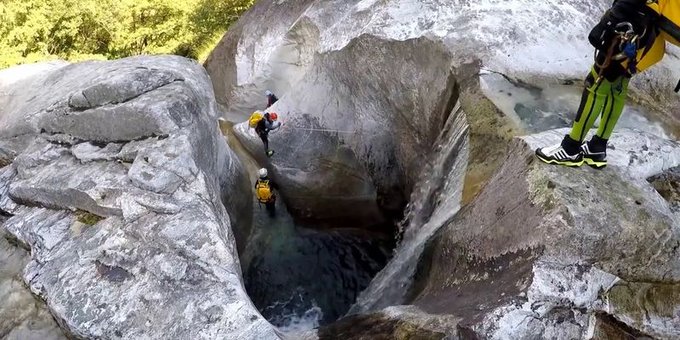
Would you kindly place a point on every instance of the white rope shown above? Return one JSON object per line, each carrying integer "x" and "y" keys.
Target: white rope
{"x": 322, "y": 130}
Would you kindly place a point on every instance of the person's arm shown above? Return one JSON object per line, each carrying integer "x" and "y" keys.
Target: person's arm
{"x": 273, "y": 185}
{"x": 272, "y": 125}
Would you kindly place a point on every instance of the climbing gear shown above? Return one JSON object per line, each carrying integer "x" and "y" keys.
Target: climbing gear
{"x": 558, "y": 154}
{"x": 264, "y": 191}
{"x": 262, "y": 173}
{"x": 273, "y": 116}
{"x": 597, "y": 160}
{"x": 625, "y": 41}
{"x": 270, "y": 153}
{"x": 661, "y": 22}
{"x": 255, "y": 118}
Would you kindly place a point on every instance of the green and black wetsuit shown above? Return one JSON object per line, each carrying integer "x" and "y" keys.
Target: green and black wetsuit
{"x": 606, "y": 89}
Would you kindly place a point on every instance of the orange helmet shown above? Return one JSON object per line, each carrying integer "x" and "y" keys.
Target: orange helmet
{"x": 273, "y": 116}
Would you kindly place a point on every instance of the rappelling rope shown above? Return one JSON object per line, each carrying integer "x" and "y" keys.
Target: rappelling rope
{"x": 321, "y": 130}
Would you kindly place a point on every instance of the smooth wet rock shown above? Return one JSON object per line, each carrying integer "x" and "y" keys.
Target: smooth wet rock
{"x": 22, "y": 316}
{"x": 120, "y": 195}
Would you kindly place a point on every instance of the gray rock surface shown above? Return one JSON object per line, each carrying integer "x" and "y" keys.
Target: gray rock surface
{"x": 128, "y": 198}
{"x": 553, "y": 252}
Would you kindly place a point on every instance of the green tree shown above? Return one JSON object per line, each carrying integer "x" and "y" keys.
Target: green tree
{"x": 32, "y": 30}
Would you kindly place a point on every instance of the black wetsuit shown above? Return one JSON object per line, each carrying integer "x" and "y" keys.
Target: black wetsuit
{"x": 271, "y": 99}
{"x": 262, "y": 129}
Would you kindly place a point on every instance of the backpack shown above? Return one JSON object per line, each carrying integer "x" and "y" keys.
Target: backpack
{"x": 264, "y": 192}
{"x": 255, "y": 118}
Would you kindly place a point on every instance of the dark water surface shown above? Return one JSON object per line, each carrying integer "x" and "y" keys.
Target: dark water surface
{"x": 300, "y": 278}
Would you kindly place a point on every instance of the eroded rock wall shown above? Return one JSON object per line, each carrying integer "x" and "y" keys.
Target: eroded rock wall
{"x": 546, "y": 251}
{"x": 126, "y": 194}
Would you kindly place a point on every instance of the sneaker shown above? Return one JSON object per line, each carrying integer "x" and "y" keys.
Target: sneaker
{"x": 556, "y": 155}
{"x": 597, "y": 160}
{"x": 270, "y": 153}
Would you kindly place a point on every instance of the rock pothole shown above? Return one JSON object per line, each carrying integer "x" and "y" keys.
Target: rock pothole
{"x": 667, "y": 184}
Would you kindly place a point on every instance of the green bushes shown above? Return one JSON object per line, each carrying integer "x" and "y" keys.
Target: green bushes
{"x": 32, "y": 30}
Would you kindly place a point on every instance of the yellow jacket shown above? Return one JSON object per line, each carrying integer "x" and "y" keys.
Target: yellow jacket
{"x": 669, "y": 23}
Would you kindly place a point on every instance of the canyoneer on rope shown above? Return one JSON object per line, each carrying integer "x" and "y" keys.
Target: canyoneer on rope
{"x": 629, "y": 38}
{"x": 264, "y": 191}
{"x": 263, "y": 123}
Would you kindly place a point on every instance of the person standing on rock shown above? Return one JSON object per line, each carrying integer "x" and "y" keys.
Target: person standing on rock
{"x": 263, "y": 123}
{"x": 629, "y": 38}
{"x": 264, "y": 191}
{"x": 271, "y": 98}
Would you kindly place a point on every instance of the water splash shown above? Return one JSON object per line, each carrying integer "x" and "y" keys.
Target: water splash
{"x": 294, "y": 323}
{"x": 295, "y": 314}
{"x": 434, "y": 202}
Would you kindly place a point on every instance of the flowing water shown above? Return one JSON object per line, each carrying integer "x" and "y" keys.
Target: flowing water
{"x": 303, "y": 278}
{"x": 554, "y": 105}
{"x": 434, "y": 202}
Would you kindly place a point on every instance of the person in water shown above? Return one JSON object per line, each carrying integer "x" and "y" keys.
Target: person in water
{"x": 629, "y": 38}
{"x": 264, "y": 191}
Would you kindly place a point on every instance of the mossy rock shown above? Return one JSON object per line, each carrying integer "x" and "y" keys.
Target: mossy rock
{"x": 490, "y": 134}
{"x": 5, "y": 162}
{"x": 376, "y": 326}
{"x": 88, "y": 218}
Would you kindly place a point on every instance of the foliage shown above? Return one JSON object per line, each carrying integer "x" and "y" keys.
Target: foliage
{"x": 88, "y": 218}
{"x": 32, "y": 30}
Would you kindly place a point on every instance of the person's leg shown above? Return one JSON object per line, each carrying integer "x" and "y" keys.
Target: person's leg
{"x": 610, "y": 117}
{"x": 595, "y": 97}
{"x": 271, "y": 208}
{"x": 595, "y": 150}
{"x": 265, "y": 140}
{"x": 593, "y": 100}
